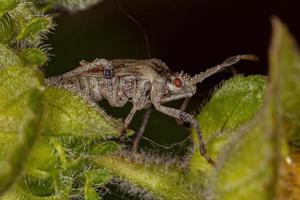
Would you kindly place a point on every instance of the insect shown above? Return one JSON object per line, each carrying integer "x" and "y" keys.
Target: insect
{"x": 141, "y": 82}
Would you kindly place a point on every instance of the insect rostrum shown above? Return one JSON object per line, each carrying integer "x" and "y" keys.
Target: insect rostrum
{"x": 142, "y": 82}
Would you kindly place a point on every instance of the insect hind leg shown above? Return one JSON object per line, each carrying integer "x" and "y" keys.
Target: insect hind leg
{"x": 141, "y": 131}
{"x": 127, "y": 121}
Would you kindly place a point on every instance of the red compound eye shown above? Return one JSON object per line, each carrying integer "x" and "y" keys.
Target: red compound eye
{"x": 177, "y": 82}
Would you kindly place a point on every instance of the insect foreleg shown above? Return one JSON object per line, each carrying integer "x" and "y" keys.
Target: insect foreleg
{"x": 176, "y": 97}
{"x": 183, "y": 107}
{"x": 186, "y": 117}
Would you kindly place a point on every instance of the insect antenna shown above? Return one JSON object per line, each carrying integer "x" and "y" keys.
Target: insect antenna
{"x": 228, "y": 62}
{"x": 142, "y": 29}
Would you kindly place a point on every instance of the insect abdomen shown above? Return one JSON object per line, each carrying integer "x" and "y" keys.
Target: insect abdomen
{"x": 82, "y": 85}
{"x": 91, "y": 87}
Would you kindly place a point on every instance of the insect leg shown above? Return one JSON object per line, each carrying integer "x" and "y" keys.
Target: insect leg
{"x": 127, "y": 121}
{"x": 183, "y": 107}
{"x": 185, "y": 103}
{"x": 186, "y": 117}
{"x": 141, "y": 130}
{"x": 176, "y": 97}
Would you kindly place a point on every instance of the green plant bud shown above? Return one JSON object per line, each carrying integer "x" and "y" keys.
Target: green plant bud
{"x": 33, "y": 56}
{"x": 32, "y": 30}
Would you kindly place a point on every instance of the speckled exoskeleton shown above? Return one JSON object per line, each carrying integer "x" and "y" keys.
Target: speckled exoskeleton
{"x": 142, "y": 82}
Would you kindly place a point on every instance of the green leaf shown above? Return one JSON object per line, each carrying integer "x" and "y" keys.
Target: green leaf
{"x": 20, "y": 114}
{"x": 285, "y": 73}
{"x": 95, "y": 178}
{"x": 20, "y": 194}
{"x": 251, "y": 164}
{"x": 162, "y": 181}
{"x": 234, "y": 103}
{"x": 98, "y": 177}
{"x": 24, "y": 25}
{"x": 69, "y": 114}
{"x": 105, "y": 148}
{"x": 33, "y": 56}
{"x": 7, "y": 30}
{"x": 284, "y": 58}
{"x": 8, "y": 57}
{"x": 42, "y": 158}
{"x": 7, "y": 5}
{"x": 247, "y": 165}
{"x": 32, "y": 30}
{"x": 41, "y": 185}
{"x": 89, "y": 192}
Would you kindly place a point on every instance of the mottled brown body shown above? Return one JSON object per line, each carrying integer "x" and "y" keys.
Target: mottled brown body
{"x": 141, "y": 82}
{"x": 129, "y": 80}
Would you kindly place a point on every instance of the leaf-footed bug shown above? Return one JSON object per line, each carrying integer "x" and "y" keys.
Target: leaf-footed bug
{"x": 141, "y": 82}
